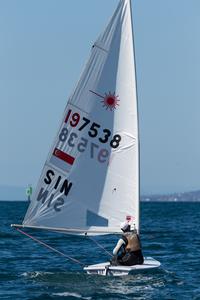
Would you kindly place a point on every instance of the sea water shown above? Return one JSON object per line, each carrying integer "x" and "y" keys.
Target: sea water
{"x": 169, "y": 233}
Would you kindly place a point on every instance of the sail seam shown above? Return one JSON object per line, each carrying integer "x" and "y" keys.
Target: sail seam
{"x": 78, "y": 107}
{"x": 99, "y": 47}
{"x": 49, "y": 164}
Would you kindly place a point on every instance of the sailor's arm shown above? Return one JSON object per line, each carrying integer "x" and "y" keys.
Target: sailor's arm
{"x": 118, "y": 246}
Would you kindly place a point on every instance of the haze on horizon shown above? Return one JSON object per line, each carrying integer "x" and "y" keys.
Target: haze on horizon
{"x": 44, "y": 45}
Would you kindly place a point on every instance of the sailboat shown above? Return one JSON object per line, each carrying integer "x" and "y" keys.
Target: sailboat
{"x": 90, "y": 181}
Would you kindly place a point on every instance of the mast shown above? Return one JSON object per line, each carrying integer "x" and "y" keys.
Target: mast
{"x": 138, "y": 127}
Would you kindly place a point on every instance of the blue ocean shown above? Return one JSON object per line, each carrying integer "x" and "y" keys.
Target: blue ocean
{"x": 170, "y": 233}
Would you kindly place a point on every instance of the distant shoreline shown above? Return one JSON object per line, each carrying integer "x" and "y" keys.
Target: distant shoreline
{"x": 13, "y": 193}
{"x": 143, "y": 201}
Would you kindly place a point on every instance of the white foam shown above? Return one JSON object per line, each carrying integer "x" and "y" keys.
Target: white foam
{"x": 72, "y": 295}
{"x": 35, "y": 274}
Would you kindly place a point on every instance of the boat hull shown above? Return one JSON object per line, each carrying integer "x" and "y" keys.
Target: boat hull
{"x": 106, "y": 269}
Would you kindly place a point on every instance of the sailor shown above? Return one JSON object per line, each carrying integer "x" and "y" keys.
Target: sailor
{"x": 128, "y": 249}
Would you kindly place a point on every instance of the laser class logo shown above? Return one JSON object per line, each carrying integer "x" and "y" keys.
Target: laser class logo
{"x": 110, "y": 101}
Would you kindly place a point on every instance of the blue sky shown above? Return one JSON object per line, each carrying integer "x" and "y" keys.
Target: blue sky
{"x": 44, "y": 45}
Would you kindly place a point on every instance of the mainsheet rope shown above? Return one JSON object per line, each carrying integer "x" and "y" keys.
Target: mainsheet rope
{"x": 59, "y": 252}
{"x": 49, "y": 247}
{"x": 99, "y": 245}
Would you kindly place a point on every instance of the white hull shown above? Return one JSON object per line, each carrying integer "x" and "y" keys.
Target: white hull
{"x": 106, "y": 269}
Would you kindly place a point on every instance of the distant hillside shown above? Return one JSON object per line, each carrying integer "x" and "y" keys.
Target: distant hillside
{"x": 10, "y": 193}
{"x": 185, "y": 197}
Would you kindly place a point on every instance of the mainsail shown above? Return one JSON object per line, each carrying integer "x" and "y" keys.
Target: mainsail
{"x": 90, "y": 180}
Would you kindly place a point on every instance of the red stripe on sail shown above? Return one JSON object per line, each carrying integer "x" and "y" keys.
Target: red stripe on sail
{"x": 64, "y": 156}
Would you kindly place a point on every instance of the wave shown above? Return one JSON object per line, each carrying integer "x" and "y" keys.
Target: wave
{"x": 35, "y": 274}
{"x": 75, "y": 295}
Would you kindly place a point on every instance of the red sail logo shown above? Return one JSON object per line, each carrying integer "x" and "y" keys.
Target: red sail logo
{"x": 110, "y": 100}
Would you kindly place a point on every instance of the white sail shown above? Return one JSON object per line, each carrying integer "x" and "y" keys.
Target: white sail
{"x": 90, "y": 180}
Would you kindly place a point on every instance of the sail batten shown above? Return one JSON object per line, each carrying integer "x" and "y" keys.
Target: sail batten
{"x": 90, "y": 179}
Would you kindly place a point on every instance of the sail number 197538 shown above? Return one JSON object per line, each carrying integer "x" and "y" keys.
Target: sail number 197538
{"x": 75, "y": 120}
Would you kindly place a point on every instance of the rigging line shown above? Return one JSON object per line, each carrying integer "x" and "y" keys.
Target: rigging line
{"x": 49, "y": 247}
{"x": 99, "y": 245}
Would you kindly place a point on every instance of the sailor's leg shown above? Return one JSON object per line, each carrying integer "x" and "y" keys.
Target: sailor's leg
{"x": 132, "y": 258}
